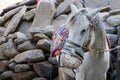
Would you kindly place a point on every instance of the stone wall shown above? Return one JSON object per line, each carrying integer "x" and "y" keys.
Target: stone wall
{"x": 25, "y": 39}
{"x": 115, "y": 4}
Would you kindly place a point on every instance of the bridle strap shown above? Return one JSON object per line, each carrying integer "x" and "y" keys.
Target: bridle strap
{"x": 71, "y": 42}
{"x": 76, "y": 45}
{"x": 79, "y": 52}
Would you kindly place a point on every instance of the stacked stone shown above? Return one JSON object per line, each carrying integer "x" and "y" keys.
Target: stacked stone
{"x": 25, "y": 38}
{"x": 25, "y": 42}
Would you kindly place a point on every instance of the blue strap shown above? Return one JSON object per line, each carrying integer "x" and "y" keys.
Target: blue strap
{"x": 51, "y": 72}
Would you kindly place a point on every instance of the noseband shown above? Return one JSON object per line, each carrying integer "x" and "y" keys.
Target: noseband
{"x": 72, "y": 49}
{"x": 79, "y": 50}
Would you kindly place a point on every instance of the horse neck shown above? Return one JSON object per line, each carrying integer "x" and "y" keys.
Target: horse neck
{"x": 100, "y": 42}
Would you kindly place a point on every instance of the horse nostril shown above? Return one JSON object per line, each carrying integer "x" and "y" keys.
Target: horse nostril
{"x": 83, "y": 31}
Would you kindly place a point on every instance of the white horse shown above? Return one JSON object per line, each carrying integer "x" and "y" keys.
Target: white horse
{"x": 85, "y": 30}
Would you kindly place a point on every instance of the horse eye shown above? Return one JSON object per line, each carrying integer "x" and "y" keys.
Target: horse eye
{"x": 83, "y": 31}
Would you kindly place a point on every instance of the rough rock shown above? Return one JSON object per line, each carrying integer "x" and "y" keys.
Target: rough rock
{"x": 60, "y": 20}
{"x": 113, "y": 39}
{"x": 23, "y": 75}
{"x": 96, "y": 3}
{"x": 9, "y": 49}
{"x": 24, "y": 26}
{"x": 2, "y": 29}
{"x": 43, "y": 69}
{"x": 47, "y": 31}
{"x": 29, "y": 56}
{"x": 78, "y": 4}
{"x": 115, "y": 12}
{"x": 12, "y": 66}
{"x": 109, "y": 29}
{"x": 25, "y": 46}
{"x": 15, "y": 21}
{"x": 6, "y": 24}
{"x": 21, "y": 67}
{"x": 39, "y": 36}
{"x": 35, "y": 30}
{"x": 7, "y": 75}
{"x": 64, "y": 7}
{"x": 29, "y": 15}
{"x": 2, "y": 39}
{"x": 6, "y": 17}
{"x": 114, "y": 20}
{"x": 115, "y": 4}
{"x": 59, "y": 1}
{"x": 20, "y": 38}
{"x": 2, "y": 57}
{"x": 37, "y": 78}
{"x": 3, "y": 65}
{"x": 44, "y": 44}
{"x": 44, "y": 14}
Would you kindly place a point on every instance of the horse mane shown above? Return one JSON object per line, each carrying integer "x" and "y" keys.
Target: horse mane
{"x": 100, "y": 34}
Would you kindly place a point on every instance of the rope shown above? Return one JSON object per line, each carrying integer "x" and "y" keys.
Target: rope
{"x": 109, "y": 49}
{"x": 114, "y": 48}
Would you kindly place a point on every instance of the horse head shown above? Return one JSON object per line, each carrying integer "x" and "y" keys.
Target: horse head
{"x": 86, "y": 28}
{"x": 85, "y": 34}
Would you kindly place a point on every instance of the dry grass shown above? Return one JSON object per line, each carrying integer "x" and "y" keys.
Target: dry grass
{"x": 6, "y": 3}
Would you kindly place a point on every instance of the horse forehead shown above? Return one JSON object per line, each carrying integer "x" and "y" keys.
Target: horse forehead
{"x": 84, "y": 22}
{"x": 79, "y": 20}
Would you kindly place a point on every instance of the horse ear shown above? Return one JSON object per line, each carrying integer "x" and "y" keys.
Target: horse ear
{"x": 93, "y": 12}
{"x": 74, "y": 9}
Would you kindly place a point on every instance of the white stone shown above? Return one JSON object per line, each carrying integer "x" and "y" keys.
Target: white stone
{"x": 96, "y": 3}
{"x": 114, "y": 20}
{"x": 44, "y": 14}
{"x": 30, "y": 56}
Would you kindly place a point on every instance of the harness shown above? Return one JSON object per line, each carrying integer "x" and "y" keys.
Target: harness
{"x": 61, "y": 45}
{"x": 58, "y": 39}
{"x": 72, "y": 49}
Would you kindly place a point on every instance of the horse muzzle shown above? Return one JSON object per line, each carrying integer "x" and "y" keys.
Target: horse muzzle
{"x": 71, "y": 56}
